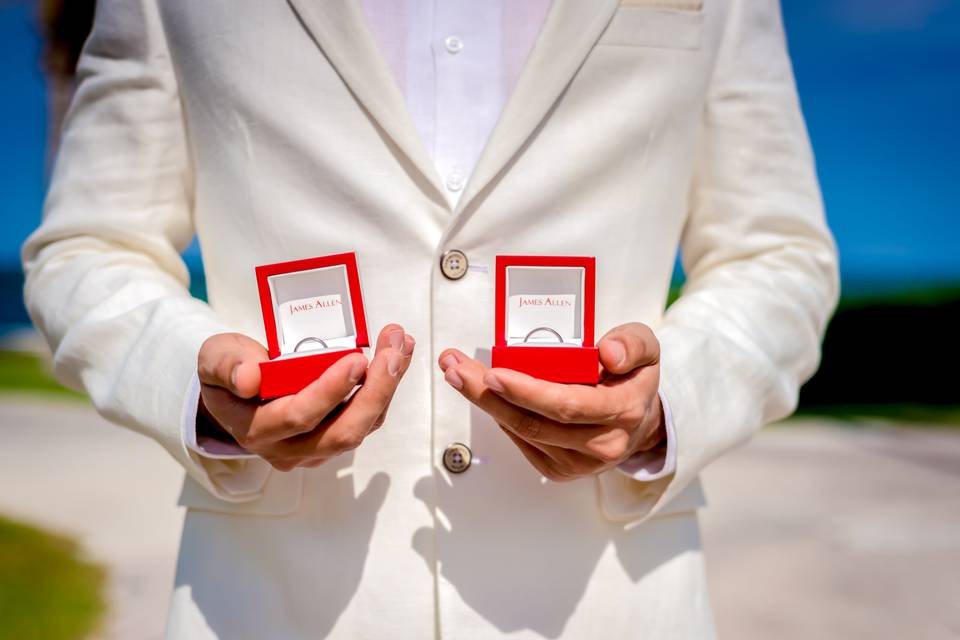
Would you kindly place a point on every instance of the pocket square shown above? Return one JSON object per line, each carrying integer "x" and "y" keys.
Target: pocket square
{"x": 679, "y": 5}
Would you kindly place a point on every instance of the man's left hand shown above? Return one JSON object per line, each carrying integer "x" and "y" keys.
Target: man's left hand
{"x": 570, "y": 431}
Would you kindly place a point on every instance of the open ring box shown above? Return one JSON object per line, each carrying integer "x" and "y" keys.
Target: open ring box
{"x": 545, "y": 318}
{"x": 312, "y": 316}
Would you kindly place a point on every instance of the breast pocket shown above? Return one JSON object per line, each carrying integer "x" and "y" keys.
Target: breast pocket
{"x": 667, "y": 24}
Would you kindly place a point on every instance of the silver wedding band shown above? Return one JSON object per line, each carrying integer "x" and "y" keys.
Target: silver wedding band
{"x": 310, "y": 339}
{"x": 559, "y": 337}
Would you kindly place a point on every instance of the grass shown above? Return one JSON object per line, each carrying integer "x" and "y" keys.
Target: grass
{"x": 906, "y": 413}
{"x": 47, "y": 592}
{"x": 916, "y": 297}
{"x": 22, "y": 372}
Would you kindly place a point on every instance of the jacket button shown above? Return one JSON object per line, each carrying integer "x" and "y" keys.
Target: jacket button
{"x": 453, "y": 264}
{"x": 457, "y": 458}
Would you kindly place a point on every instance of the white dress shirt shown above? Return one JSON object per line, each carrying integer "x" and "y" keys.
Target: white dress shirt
{"x": 456, "y": 63}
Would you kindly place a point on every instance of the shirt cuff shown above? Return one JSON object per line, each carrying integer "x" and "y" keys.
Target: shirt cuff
{"x": 656, "y": 463}
{"x": 206, "y": 446}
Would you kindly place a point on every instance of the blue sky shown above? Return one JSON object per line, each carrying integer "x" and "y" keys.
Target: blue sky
{"x": 880, "y": 86}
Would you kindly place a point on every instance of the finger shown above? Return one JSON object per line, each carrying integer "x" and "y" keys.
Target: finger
{"x": 371, "y": 402}
{"x": 628, "y": 347}
{"x": 566, "y": 403}
{"x": 536, "y": 457}
{"x": 406, "y": 347}
{"x": 391, "y": 335}
{"x": 450, "y": 357}
{"x": 381, "y": 418}
{"x": 576, "y": 464}
{"x": 231, "y": 361}
{"x": 256, "y": 425}
{"x": 279, "y": 463}
{"x": 234, "y": 415}
{"x": 346, "y": 430}
{"x": 467, "y": 377}
{"x": 322, "y": 397}
{"x": 554, "y": 462}
{"x": 396, "y": 347}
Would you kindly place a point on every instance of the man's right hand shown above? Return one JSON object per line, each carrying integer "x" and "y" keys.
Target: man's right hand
{"x": 316, "y": 424}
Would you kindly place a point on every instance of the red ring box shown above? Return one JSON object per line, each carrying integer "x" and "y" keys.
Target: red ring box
{"x": 547, "y": 280}
{"x": 287, "y": 372}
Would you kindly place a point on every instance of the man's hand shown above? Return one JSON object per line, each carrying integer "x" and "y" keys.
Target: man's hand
{"x": 316, "y": 424}
{"x": 570, "y": 431}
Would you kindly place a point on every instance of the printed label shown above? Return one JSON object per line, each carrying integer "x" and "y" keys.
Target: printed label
{"x": 527, "y": 312}
{"x": 317, "y": 317}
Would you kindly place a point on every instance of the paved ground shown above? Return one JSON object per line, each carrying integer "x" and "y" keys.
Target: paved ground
{"x": 63, "y": 467}
{"x": 813, "y": 530}
{"x": 844, "y": 532}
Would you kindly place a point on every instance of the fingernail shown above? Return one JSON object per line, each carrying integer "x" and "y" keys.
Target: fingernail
{"x": 448, "y": 362}
{"x": 408, "y": 344}
{"x": 396, "y": 339}
{"x": 619, "y": 353}
{"x": 453, "y": 378}
{"x": 234, "y": 375}
{"x": 493, "y": 382}
{"x": 356, "y": 371}
{"x": 394, "y": 363}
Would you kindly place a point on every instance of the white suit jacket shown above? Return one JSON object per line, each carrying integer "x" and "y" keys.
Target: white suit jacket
{"x": 274, "y": 131}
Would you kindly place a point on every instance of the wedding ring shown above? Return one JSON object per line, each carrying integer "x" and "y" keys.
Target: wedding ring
{"x": 310, "y": 339}
{"x": 527, "y": 337}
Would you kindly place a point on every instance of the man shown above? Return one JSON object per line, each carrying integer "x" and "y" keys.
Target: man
{"x": 430, "y": 137}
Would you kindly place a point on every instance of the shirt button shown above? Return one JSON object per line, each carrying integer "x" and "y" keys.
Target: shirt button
{"x": 457, "y": 458}
{"x": 453, "y": 264}
{"x": 453, "y": 44}
{"x": 455, "y": 181}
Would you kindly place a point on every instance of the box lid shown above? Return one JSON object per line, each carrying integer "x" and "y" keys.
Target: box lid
{"x": 322, "y": 276}
{"x": 575, "y": 277}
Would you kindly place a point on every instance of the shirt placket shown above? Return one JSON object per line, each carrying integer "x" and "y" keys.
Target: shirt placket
{"x": 465, "y": 43}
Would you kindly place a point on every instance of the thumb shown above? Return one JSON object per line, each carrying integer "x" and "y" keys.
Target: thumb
{"x": 231, "y": 361}
{"x": 629, "y": 347}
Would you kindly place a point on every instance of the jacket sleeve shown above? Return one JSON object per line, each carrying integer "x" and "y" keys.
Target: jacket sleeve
{"x": 761, "y": 264}
{"x": 105, "y": 283}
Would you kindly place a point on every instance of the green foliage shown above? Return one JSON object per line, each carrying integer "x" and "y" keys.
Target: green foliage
{"x": 926, "y": 415}
{"x": 47, "y": 592}
{"x": 26, "y": 372}
{"x": 916, "y": 297}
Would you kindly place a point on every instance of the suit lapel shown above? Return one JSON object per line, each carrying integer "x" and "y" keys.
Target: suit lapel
{"x": 339, "y": 28}
{"x": 569, "y": 32}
